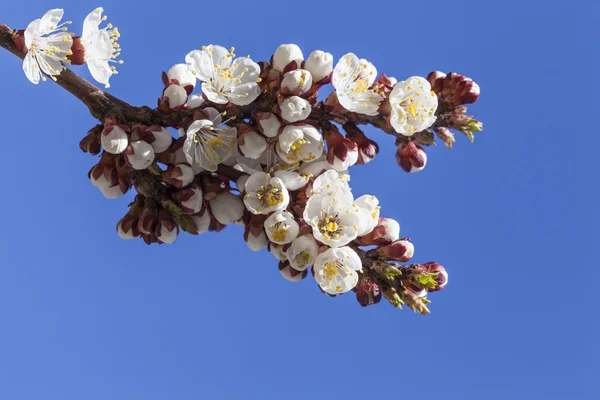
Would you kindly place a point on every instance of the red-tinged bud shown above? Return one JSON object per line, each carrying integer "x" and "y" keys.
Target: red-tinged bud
{"x": 77, "y": 56}
{"x": 410, "y": 157}
{"x": 254, "y": 233}
{"x": 173, "y": 97}
{"x": 384, "y": 85}
{"x": 114, "y": 139}
{"x": 191, "y": 200}
{"x": 268, "y": 124}
{"x": 436, "y": 80}
{"x": 367, "y": 148}
{"x": 385, "y": 232}
{"x": 148, "y": 220}
{"x": 290, "y": 273}
{"x": 400, "y": 250}
{"x": 414, "y": 301}
{"x": 367, "y": 292}
{"x": 342, "y": 152}
{"x": 166, "y": 229}
{"x": 179, "y": 176}
{"x": 91, "y": 143}
{"x": 180, "y": 74}
{"x": 453, "y": 89}
{"x": 430, "y": 276}
{"x": 297, "y": 82}
{"x": 445, "y": 135}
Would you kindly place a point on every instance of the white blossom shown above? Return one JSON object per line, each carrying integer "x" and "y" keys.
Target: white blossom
{"x": 299, "y": 143}
{"x": 176, "y": 94}
{"x": 265, "y": 194}
{"x": 298, "y": 81}
{"x": 270, "y": 125}
{"x": 335, "y": 270}
{"x": 115, "y": 141}
{"x": 368, "y": 213}
{"x": 333, "y": 218}
{"x": 101, "y": 46}
{"x": 285, "y": 54}
{"x": 182, "y": 74}
{"x": 352, "y": 80}
{"x": 302, "y": 252}
{"x": 320, "y": 64}
{"x": 256, "y": 243}
{"x": 206, "y": 144}
{"x": 227, "y": 208}
{"x": 225, "y": 79}
{"x": 292, "y": 180}
{"x": 202, "y": 222}
{"x": 413, "y": 106}
{"x": 281, "y": 228}
{"x": 142, "y": 155}
{"x": 252, "y": 144}
{"x": 295, "y": 108}
{"x": 48, "y": 44}
{"x": 329, "y": 183}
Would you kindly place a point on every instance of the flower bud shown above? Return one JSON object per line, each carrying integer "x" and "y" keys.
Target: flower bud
{"x": 285, "y": 55}
{"x": 202, "y": 222}
{"x": 290, "y": 273}
{"x": 414, "y": 301}
{"x": 195, "y": 100}
{"x": 453, "y": 89}
{"x": 179, "y": 176}
{"x": 162, "y": 138}
{"x": 227, "y": 208}
{"x": 430, "y": 276}
{"x": 277, "y": 251}
{"x": 445, "y": 135}
{"x": 251, "y": 144}
{"x": 367, "y": 148}
{"x": 342, "y": 152}
{"x": 166, "y": 229}
{"x": 410, "y": 157}
{"x": 148, "y": 220}
{"x": 114, "y": 139}
{"x": 110, "y": 188}
{"x": 256, "y": 242}
{"x": 91, "y": 143}
{"x": 385, "y": 232}
{"x": 175, "y": 95}
{"x": 268, "y": 124}
{"x": 297, "y": 82}
{"x": 436, "y": 80}
{"x": 295, "y": 109}
{"x": 367, "y": 291}
{"x": 191, "y": 200}
{"x": 127, "y": 232}
{"x": 140, "y": 155}
{"x": 400, "y": 250}
{"x": 320, "y": 65}
{"x": 179, "y": 74}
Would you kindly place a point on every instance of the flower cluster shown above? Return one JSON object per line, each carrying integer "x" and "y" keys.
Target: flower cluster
{"x": 252, "y": 144}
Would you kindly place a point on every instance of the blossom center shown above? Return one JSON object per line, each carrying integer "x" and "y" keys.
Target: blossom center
{"x": 279, "y": 231}
{"x": 269, "y": 196}
{"x": 330, "y": 228}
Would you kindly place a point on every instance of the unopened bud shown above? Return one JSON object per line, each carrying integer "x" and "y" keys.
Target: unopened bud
{"x": 162, "y": 138}
{"x": 140, "y": 155}
{"x": 251, "y": 144}
{"x": 166, "y": 229}
{"x": 195, "y": 100}
{"x": 320, "y": 65}
{"x": 202, "y": 222}
{"x": 367, "y": 292}
{"x": 179, "y": 176}
{"x": 291, "y": 274}
{"x": 297, "y": 82}
{"x": 295, "y": 109}
{"x": 180, "y": 74}
{"x": 445, "y": 135}
{"x": 227, "y": 208}
{"x": 110, "y": 188}
{"x": 268, "y": 124}
{"x": 410, "y": 157}
{"x": 415, "y": 302}
{"x": 176, "y": 96}
{"x": 342, "y": 152}
{"x": 367, "y": 148}
{"x": 256, "y": 242}
{"x": 400, "y": 250}
{"x": 385, "y": 232}
{"x": 430, "y": 276}
{"x": 191, "y": 199}
{"x": 148, "y": 220}
{"x": 285, "y": 55}
{"x": 114, "y": 139}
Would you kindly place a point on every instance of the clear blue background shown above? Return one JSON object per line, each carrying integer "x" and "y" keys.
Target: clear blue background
{"x": 85, "y": 315}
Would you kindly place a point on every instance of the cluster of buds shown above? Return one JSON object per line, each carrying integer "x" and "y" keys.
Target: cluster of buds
{"x": 257, "y": 148}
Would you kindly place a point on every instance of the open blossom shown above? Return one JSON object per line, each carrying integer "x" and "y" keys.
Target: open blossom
{"x": 302, "y": 252}
{"x": 299, "y": 143}
{"x": 206, "y": 144}
{"x": 294, "y": 109}
{"x": 224, "y": 79}
{"x": 413, "y": 106}
{"x": 101, "y": 46}
{"x": 335, "y": 270}
{"x": 330, "y": 182}
{"x": 334, "y": 218}
{"x": 292, "y": 179}
{"x": 265, "y": 194}
{"x": 48, "y": 44}
{"x": 352, "y": 80}
{"x": 368, "y": 214}
{"x": 281, "y": 228}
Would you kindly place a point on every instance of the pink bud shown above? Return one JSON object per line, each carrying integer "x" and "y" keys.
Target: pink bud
{"x": 410, "y": 157}
{"x": 400, "y": 250}
{"x": 342, "y": 152}
{"x": 440, "y": 275}
{"x": 367, "y": 292}
{"x": 367, "y": 148}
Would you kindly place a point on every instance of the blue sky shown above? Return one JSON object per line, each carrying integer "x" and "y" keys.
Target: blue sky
{"x": 85, "y": 315}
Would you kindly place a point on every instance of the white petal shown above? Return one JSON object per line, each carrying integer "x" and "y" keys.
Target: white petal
{"x": 31, "y": 31}
{"x": 201, "y": 64}
{"x": 50, "y": 20}
{"x": 31, "y": 69}
{"x": 100, "y": 71}
{"x": 212, "y": 95}
{"x": 91, "y": 23}
{"x": 244, "y": 93}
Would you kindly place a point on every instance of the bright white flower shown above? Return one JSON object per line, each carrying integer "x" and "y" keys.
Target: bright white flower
{"x": 182, "y": 74}
{"x": 223, "y": 78}
{"x": 298, "y": 81}
{"x": 335, "y": 270}
{"x": 252, "y": 144}
{"x": 299, "y": 143}
{"x": 48, "y": 44}
{"x": 334, "y": 219}
{"x": 101, "y": 47}
{"x": 207, "y": 145}
{"x": 329, "y": 183}
{"x": 256, "y": 243}
{"x": 195, "y": 100}
{"x": 281, "y": 228}
{"x": 302, "y": 252}
{"x": 202, "y": 222}
{"x": 176, "y": 94}
{"x": 227, "y": 208}
{"x": 352, "y": 80}
{"x": 292, "y": 180}
{"x": 142, "y": 155}
{"x": 320, "y": 64}
{"x": 268, "y": 124}
{"x": 294, "y": 109}
{"x": 368, "y": 213}
{"x": 265, "y": 194}
{"x": 115, "y": 141}
{"x": 109, "y": 190}
{"x": 285, "y": 54}
{"x": 413, "y": 106}
{"x": 162, "y": 140}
